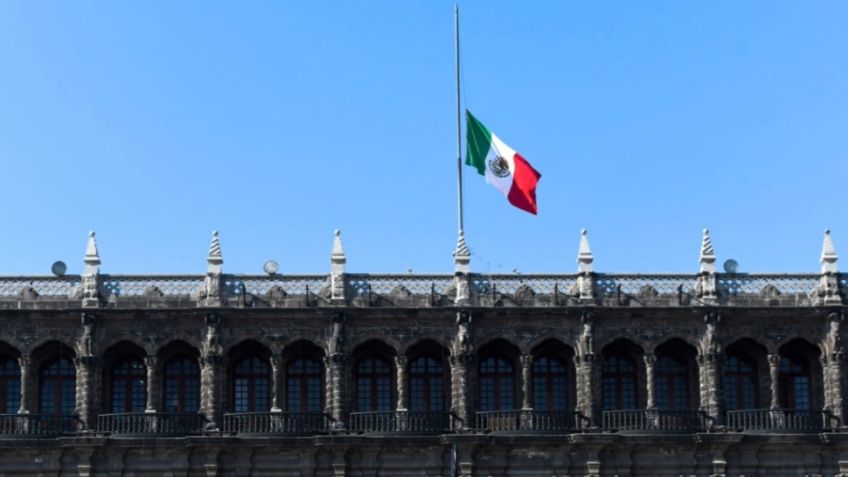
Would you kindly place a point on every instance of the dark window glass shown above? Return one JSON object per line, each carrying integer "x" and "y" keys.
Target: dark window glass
{"x": 618, "y": 383}
{"x": 426, "y": 385}
{"x": 672, "y": 383}
{"x": 373, "y": 385}
{"x": 549, "y": 384}
{"x": 182, "y": 385}
{"x": 57, "y": 389}
{"x": 251, "y": 389}
{"x": 740, "y": 383}
{"x": 129, "y": 386}
{"x": 497, "y": 384}
{"x": 794, "y": 380}
{"x": 304, "y": 386}
{"x": 10, "y": 386}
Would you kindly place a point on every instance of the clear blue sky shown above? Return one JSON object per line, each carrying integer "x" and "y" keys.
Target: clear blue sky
{"x": 155, "y": 122}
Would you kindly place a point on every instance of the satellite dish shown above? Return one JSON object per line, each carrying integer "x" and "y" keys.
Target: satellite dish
{"x": 271, "y": 267}
{"x": 59, "y": 268}
{"x": 730, "y": 266}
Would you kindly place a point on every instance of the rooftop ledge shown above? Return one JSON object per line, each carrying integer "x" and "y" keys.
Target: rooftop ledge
{"x": 215, "y": 288}
{"x": 425, "y": 290}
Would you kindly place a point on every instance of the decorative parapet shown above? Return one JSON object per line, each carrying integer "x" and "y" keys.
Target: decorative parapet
{"x": 421, "y": 290}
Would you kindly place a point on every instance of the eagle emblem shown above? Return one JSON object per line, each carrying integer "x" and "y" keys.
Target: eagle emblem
{"x": 499, "y": 166}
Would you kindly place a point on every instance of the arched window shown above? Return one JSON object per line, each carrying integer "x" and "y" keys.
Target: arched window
{"x": 426, "y": 385}
{"x": 373, "y": 385}
{"x": 251, "y": 389}
{"x": 497, "y": 384}
{"x": 549, "y": 384}
{"x": 618, "y": 383}
{"x": 794, "y": 381}
{"x": 182, "y": 385}
{"x": 10, "y": 386}
{"x": 672, "y": 383}
{"x": 740, "y": 382}
{"x": 304, "y": 386}
{"x": 129, "y": 386}
{"x": 57, "y": 388}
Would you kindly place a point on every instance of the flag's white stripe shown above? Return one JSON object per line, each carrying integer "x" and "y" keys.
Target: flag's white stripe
{"x": 498, "y": 148}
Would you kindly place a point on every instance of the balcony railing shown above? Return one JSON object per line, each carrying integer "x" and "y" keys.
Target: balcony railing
{"x": 781, "y": 420}
{"x": 37, "y": 425}
{"x": 531, "y": 421}
{"x": 140, "y": 423}
{"x": 275, "y": 423}
{"x": 652, "y": 420}
{"x": 399, "y": 421}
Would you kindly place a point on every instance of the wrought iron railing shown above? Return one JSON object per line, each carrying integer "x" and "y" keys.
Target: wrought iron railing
{"x": 531, "y": 421}
{"x": 37, "y": 425}
{"x": 275, "y": 423}
{"x": 781, "y": 420}
{"x": 653, "y": 420}
{"x": 141, "y": 423}
{"x": 399, "y": 421}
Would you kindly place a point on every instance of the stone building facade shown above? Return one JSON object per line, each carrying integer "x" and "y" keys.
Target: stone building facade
{"x": 585, "y": 374}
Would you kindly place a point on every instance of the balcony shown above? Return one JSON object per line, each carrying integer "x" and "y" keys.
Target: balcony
{"x": 150, "y": 424}
{"x": 781, "y": 421}
{"x": 266, "y": 423}
{"x": 653, "y": 421}
{"x": 399, "y": 421}
{"x": 528, "y": 421}
{"x": 37, "y": 425}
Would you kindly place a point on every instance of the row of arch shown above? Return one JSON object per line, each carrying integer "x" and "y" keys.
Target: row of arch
{"x": 295, "y": 380}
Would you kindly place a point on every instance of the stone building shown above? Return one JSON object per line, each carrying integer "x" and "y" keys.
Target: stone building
{"x": 463, "y": 374}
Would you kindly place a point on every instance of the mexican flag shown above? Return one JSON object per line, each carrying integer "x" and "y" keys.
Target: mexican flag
{"x": 502, "y": 166}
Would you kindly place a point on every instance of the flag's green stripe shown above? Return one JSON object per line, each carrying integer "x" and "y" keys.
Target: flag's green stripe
{"x": 478, "y": 140}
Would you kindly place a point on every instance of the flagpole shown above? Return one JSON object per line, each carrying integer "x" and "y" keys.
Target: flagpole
{"x": 458, "y": 122}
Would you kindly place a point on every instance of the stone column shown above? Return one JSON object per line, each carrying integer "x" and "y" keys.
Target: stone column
{"x": 834, "y": 370}
{"x": 650, "y": 362}
{"x": 402, "y": 408}
{"x": 87, "y": 397}
{"x": 526, "y": 380}
{"x": 153, "y": 385}
{"x": 402, "y": 383}
{"x": 587, "y": 383}
{"x": 710, "y": 386}
{"x": 27, "y": 385}
{"x": 276, "y": 383}
{"x": 211, "y": 378}
{"x": 460, "y": 398}
{"x": 774, "y": 373}
{"x": 338, "y": 407}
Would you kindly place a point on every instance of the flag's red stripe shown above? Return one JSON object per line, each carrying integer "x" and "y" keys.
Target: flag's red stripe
{"x": 523, "y": 191}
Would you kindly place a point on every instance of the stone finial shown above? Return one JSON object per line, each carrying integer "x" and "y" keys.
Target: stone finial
{"x": 92, "y": 256}
{"x": 215, "y": 260}
{"x": 338, "y": 255}
{"x": 337, "y": 268}
{"x": 828, "y": 255}
{"x": 584, "y": 254}
{"x": 461, "y": 255}
{"x": 708, "y": 257}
